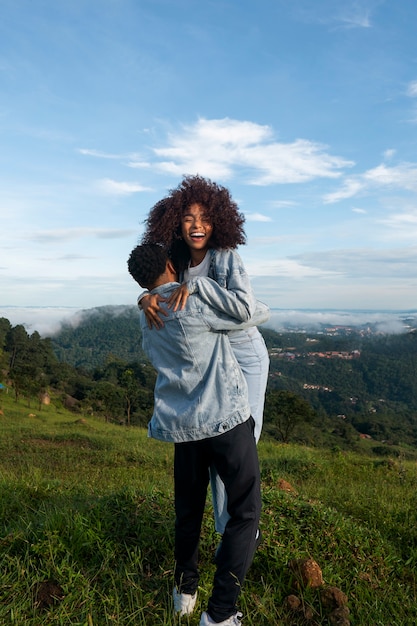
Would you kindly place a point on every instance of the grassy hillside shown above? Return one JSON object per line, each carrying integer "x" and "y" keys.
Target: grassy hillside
{"x": 86, "y": 528}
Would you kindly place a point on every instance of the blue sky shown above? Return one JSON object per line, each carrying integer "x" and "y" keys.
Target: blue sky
{"x": 306, "y": 111}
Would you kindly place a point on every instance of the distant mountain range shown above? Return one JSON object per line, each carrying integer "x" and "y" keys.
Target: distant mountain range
{"x": 48, "y": 320}
{"x": 364, "y": 376}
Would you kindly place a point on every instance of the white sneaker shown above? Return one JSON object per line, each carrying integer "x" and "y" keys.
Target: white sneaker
{"x": 230, "y": 621}
{"x": 184, "y": 603}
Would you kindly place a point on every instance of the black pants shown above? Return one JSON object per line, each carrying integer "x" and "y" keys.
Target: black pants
{"x": 235, "y": 458}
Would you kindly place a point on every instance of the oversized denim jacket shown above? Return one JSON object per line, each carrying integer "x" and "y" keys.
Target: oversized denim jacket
{"x": 200, "y": 391}
{"x": 226, "y": 271}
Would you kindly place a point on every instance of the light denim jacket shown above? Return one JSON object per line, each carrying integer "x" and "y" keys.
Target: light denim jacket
{"x": 200, "y": 390}
{"x": 226, "y": 271}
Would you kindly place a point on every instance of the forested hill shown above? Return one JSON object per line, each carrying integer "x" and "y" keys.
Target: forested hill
{"x": 97, "y": 335}
{"x": 369, "y": 382}
{"x": 341, "y": 374}
{"x": 322, "y": 389}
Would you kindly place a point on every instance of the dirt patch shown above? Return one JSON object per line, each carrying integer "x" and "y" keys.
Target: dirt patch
{"x": 307, "y": 573}
{"x": 46, "y": 594}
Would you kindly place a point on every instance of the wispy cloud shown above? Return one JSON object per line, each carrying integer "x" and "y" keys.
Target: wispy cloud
{"x": 349, "y": 14}
{"x": 101, "y": 155}
{"x": 364, "y": 263}
{"x": 218, "y": 148}
{"x": 355, "y": 16}
{"x": 223, "y": 149}
{"x": 389, "y": 154}
{"x": 282, "y": 204}
{"x": 119, "y": 188}
{"x": 412, "y": 89}
{"x": 138, "y": 164}
{"x": 402, "y": 176}
{"x": 70, "y": 258}
{"x": 131, "y": 159}
{"x": 257, "y": 217}
{"x": 69, "y": 234}
{"x": 350, "y": 188}
{"x": 403, "y": 224}
{"x": 384, "y": 322}
{"x": 412, "y": 93}
{"x": 289, "y": 268}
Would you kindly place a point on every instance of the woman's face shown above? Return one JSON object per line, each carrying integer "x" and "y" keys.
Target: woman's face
{"x": 196, "y": 230}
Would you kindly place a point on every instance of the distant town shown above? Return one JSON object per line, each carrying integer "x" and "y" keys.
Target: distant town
{"x": 359, "y": 323}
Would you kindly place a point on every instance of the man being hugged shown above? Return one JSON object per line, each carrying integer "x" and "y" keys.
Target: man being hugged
{"x": 201, "y": 405}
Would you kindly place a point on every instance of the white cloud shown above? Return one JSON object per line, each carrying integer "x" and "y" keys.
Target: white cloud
{"x": 140, "y": 165}
{"x": 257, "y": 217}
{"x": 48, "y": 320}
{"x": 351, "y": 187}
{"x": 402, "y": 176}
{"x": 349, "y": 14}
{"x": 389, "y": 154}
{"x": 314, "y": 320}
{"x": 69, "y": 234}
{"x": 98, "y": 154}
{"x": 119, "y": 188}
{"x": 358, "y": 210}
{"x": 290, "y": 239}
{"x": 289, "y": 268}
{"x": 45, "y": 320}
{"x": 216, "y": 148}
{"x": 412, "y": 89}
{"x": 364, "y": 264}
{"x": 403, "y": 225}
{"x": 356, "y": 19}
{"x": 133, "y": 159}
{"x": 282, "y": 204}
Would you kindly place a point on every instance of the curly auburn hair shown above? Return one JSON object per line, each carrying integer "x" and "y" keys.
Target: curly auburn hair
{"x": 146, "y": 263}
{"x": 163, "y": 224}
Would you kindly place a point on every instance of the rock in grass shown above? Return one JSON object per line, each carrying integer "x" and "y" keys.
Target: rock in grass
{"x": 307, "y": 573}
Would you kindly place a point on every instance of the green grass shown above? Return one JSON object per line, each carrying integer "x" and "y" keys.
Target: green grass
{"x": 88, "y": 507}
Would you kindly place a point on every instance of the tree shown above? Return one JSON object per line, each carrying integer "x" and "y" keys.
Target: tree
{"x": 284, "y": 411}
{"x": 129, "y": 384}
{"x": 107, "y": 399}
{"x": 17, "y": 346}
{"x": 5, "y": 328}
{"x": 29, "y": 359}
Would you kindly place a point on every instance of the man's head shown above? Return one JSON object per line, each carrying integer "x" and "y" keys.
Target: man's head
{"x": 150, "y": 266}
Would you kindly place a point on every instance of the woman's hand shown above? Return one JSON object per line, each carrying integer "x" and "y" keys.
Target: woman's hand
{"x": 178, "y": 298}
{"x": 152, "y": 310}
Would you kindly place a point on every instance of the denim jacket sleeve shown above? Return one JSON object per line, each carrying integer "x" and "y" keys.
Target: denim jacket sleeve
{"x": 140, "y": 296}
{"x": 220, "y": 322}
{"x": 229, "y": 289}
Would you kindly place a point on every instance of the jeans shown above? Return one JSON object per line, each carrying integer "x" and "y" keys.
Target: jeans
{"x": 253, "y": 359}
{"x": 234, "y": 456}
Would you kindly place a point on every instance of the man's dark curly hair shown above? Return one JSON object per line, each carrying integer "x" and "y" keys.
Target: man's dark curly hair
{"x": 146, "y": 263}
{"x": 163, "y": 224}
